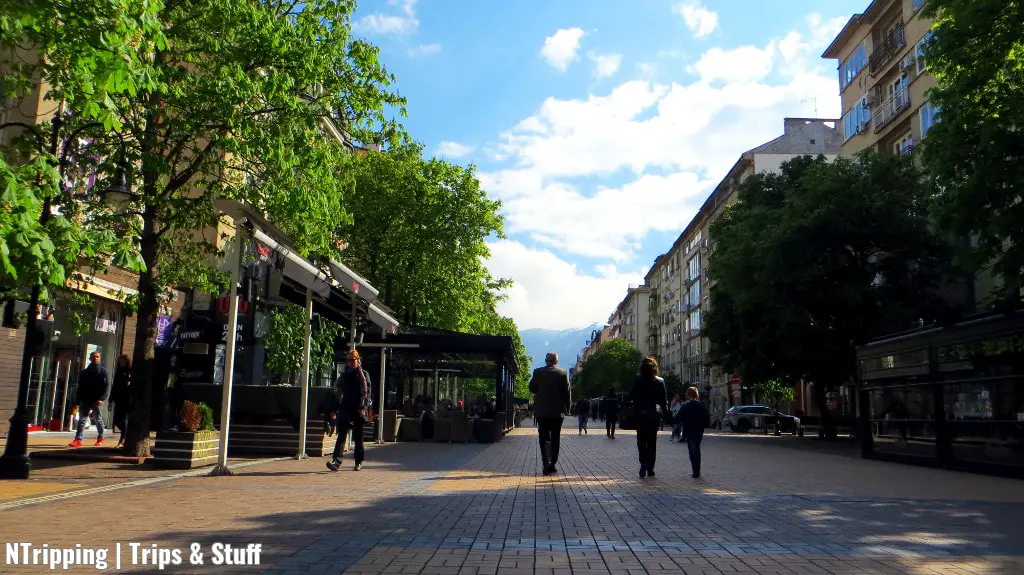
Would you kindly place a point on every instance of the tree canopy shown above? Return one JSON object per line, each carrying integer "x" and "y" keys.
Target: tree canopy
{"x": 815, "y": 259}
{"x": 244, "y": 100}
{"x": 974, "y": 153}
{"x": 615, "y": 364}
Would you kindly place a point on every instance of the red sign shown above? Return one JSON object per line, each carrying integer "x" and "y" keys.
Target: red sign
{"x": 734, "y": 379}
{"x": 355, "y": 287}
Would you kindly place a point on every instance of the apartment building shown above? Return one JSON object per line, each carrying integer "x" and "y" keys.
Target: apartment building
{"x": 630, "y": 319}
{"x": 678, "y": 280}
{"x": 883, "y": 78}
{"x": 597, "y": 337}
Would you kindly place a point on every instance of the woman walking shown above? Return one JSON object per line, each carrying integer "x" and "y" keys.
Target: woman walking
{"x": 648, "y": 395}
{"x": 120, "y": 395}
{"x": 677, "y": 424}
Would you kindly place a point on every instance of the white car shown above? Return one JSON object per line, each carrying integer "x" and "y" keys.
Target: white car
{"x": 743, "y": 418}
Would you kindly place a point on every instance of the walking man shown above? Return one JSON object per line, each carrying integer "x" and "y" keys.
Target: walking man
{"x": 93, "y": 390}
{"x": 695, "y": 418}
{"x": 354, "y": 409}
{"x": 550, "y": 386}
{"x": 610, "y": 410}
{"x": 583, "y": 413}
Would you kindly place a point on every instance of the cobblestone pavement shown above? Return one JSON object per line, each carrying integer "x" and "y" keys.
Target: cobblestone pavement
{"x": 484, "y": 509}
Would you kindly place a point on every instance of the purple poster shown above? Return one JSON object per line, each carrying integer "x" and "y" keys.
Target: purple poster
{"x": 164, "y": 329}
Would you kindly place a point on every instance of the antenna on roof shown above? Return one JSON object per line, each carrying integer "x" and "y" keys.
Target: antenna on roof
{"x": 815, "y": 100}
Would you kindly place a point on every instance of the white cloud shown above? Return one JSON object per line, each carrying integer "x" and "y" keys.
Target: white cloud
{"x": 552, "y": 293}
{"x": 425, "y": 50}
{"x": 665, "y": 144}
{"x": 401, "y": 25}
{"x": 560, "y": 48}
{"x": 746, "y": 63}
{"x": 605, "y": 65}
{"x": 701, "y": 21}
{"x": 454, "y": 149}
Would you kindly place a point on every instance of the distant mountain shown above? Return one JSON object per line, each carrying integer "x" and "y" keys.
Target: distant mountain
{"x": 566, "y": 343}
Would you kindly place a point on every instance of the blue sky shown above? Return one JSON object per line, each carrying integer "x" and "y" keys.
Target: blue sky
{"x": 601, "y": 125}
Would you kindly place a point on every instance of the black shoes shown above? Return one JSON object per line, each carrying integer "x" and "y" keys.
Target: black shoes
{"x": 549, "y": 469}
{"x": 695, "y": 475}
{"x": 643, "y": 473}
{"x": 650, "y": 473}
{"x": 334, "y": 465}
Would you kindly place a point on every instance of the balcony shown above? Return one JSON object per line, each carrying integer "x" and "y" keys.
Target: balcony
{"x": 886, "y": 49}
{"x": 890, "y": 109}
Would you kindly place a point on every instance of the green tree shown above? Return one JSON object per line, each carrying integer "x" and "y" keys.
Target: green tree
{"x": 237, "y": 100}
{"x": 616, "y": 364}
{"x": 816, "y": 259}
{"x": 284, "y": 342}
{"x": 774, "y": 392}
{"x": 974, "y": 154}
{"x": 423, "y": 225}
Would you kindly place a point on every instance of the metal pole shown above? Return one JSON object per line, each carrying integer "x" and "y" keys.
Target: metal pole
{"x": 53, "y": 400}
{"x": 229, "y": 356}
{"x": 304, "y": 394}
{"x": 64, "y": 396}
{"x": 380, "y": 389}
{"x": 437, "y": 385}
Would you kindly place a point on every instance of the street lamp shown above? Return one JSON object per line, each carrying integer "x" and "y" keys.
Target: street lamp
{"x": 15, "y": 464}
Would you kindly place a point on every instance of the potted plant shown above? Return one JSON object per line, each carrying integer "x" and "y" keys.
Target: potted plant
{"x": 195, "y": 444}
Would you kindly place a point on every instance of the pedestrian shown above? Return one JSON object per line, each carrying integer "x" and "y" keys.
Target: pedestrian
{"x": 120, "y": 396}
{"x": 610, "y": 409}
{"x": 93, "y": 390}
{"x": 583, "y": 413}
{"x": 648, "y": 395}
{"x": 677, "y": 425}
{"x": 353, "y": 411}
{"x": 695, "y": 418}
{"x": 550, "y": 386}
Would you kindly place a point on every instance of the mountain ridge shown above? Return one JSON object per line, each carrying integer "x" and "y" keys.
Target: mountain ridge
{"x": 567, "y": 343}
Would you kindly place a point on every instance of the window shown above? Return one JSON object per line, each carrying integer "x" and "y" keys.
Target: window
{"x": 929, "y": 116}
{"x": 899, "y": 86}
{"x": 917, "y": 4}
{"x": 853, "y": 120}
{"x": 694, "y": 265}
{"x": 849, "y": 69}
{"x": 919, "y": 50}
{"x": 904, "y": 145}
{"x": 694, "y": 320}
{"x": 695, "y": 294}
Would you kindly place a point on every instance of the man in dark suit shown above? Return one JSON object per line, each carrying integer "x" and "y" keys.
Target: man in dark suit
{"x": 695, "y": 418}
{"x": 93, "y": 390}
{"x": 550, "y": 386}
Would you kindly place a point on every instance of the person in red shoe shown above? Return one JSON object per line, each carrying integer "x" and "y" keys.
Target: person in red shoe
{"x": 93, "y": 390}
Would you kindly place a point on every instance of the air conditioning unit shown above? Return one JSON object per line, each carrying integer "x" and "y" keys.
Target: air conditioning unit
{"x": 869, "y": 100}
{"x": 862, "y": 127}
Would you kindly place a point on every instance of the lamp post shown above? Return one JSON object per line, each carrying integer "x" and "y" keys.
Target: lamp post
{"x": 15, "y": 464}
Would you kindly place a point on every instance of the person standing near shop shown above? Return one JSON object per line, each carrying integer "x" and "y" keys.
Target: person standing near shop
{"x": 648, "y": 395}
{"x": 93, "y": 390}
{"x": 120, "y": 396}
{"x": 695, "y": 418}
{"x": 550, "y": 386}
{"x": 353, "y": 411}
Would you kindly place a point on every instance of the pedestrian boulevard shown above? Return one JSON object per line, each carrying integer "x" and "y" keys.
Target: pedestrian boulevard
{"x": 762, "y": 507}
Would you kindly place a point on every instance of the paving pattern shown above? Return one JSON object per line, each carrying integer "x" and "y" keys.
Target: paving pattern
{"x": 484, "y": 509}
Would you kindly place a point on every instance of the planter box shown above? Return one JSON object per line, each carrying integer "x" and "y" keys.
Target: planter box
{"x": 185, "y": 449}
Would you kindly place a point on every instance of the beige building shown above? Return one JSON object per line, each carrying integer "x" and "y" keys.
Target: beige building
{"x": 883, "y": 79}
{"x": 630, "y": 319}
{"x": 678, "y": 280}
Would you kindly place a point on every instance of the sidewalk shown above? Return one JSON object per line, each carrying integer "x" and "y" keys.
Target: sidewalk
{"x": 437, "y": 509}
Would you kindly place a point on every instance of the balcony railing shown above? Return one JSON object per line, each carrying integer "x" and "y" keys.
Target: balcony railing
{"x": 892, "y": 107}
{"x": 885, "y": 50}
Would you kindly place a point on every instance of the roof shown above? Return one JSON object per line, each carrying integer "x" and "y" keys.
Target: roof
{"x": 446, "y": 346}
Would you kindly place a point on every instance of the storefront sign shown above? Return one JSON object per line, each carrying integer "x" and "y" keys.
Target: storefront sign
{"x": 99, "y": 287}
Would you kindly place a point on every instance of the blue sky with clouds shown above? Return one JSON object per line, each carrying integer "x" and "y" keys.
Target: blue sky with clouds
{"x": 601, "y": 125}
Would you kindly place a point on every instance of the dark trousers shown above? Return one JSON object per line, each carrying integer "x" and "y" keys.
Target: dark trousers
{"x": 355, "y": 425}
{"x": 693, "y": 446}
{"x": 647, "y": 443}
{"x": 550, "y": 431}
{"x": 609, "y": 425}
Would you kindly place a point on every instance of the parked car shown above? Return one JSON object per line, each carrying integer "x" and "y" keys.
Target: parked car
{"x": 743, "y": 418}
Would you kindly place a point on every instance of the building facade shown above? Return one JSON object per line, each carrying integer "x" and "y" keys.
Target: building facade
{"x": 883, "y": 78}
{"x": 630, "y": 319}
{"x": 678, "y": 280}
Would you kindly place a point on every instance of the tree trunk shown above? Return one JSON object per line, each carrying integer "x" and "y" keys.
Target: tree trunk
{"x": 137, "y": 439}
{"x": 827, "y": 423}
